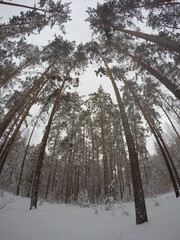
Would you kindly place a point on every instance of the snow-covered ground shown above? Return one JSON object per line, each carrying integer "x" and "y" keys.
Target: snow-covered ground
{"x": 66, "y": 222}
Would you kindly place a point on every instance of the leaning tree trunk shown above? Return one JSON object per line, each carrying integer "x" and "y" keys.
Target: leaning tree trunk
{"x": 163, "y": 42}
{"x": 169, "y": 105}
{"x": 175, "y": 130}
{"x": 11, "y": 140}
{"x": 16, "y": 71}
{"x": 140, "y": 207}
{"x": 120, "y": 175}
{"x": 135, "y": 133}
{"x": 68, "y": 177}
{"x": 36, "y": 180}
{"x": 6, "y": 136}
{"x": 15, "y": 122}
{"x": 169, "y": 156}
{"x": 120, "y": 164}
{"x": 6, "y": 150}
{"x": 156, "y": 135}
{"x": 20, "y": 113}
{"x": 21, "y": 101}
{"x": 69, "y": 163}
{"x": 166, "y": 158}
{"x": 23, "y": 6}
{"x": 157, "y": 3}
{"x": 126, "y": 165}
{"x": 26, "y": 151}
{"x": 164, "y": 80}
{"x": 51, "y": 164}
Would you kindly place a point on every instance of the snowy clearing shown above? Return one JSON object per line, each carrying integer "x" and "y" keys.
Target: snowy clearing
{"x": 67, "y": 222}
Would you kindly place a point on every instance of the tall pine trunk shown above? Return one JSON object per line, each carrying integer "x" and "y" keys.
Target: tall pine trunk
{"x": 163, "y": 79}
{"x": 168, "y": 117}
{"x": 16, "y": 71}
{"x": 93, "y": 162}
{"x": 51, "y": 164}
{"x": 6, "y": 149}
{"x": 157, "y": 3}
{"x": 22, "y": 6}
{"x": 22, "y": 100}
{"x": 163, "y": 42}
{"x": 169, "y": 156}
{"x": 36, "y": 180}
{"x": 157, "y": 137}
{"x": 105, "y": 160}
{"x": 169, "y": 105}
{"x": 25, "y": 154}
{"x": 140, "y": 207}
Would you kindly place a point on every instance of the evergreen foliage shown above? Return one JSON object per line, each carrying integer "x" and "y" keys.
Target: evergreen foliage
{"x": 91, "y": 150}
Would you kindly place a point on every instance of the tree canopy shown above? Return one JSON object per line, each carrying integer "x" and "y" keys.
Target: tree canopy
{"x": 91, "y": 145}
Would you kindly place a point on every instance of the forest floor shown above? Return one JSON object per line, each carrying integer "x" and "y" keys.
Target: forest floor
{"x": 68, "y": 222}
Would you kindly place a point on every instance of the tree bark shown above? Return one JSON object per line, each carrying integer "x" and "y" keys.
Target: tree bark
{"x": 158, "y": 3}
{"x": 98, "y": 172}
{"x": 25, "y": 154}
{"x": 16, "y": 71}
{"x": 23, "y": 6}
{"x": 105, "y": 160}
{"x": 164, "y": 80}
{"x": 120, "y": 174}
{"x": 69, "y": 172}
{"x": 167, "y": 159}
{"x": 164, "y": 42}
{"x": 175, "y": 130}
{"x": 69, "y": 164}
{"x": 9, "y": 132}
{"x": 54, "y": 175}
{"x": 169, "y": 156}
{"x": 140, "y": 207}
{"x": 93, "y": 161}
{"x": 22, "y": 100}
{"x": 169, "y": 105}
{"x": 51, "y": 164}
{"x": 126, "y": 164}
{"x": 156, "y": 135}
{"x": 36, "y": 180}
{"x": 11, "y": 140}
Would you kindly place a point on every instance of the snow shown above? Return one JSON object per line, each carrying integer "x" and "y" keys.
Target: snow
{"x": 68, "y": 222}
